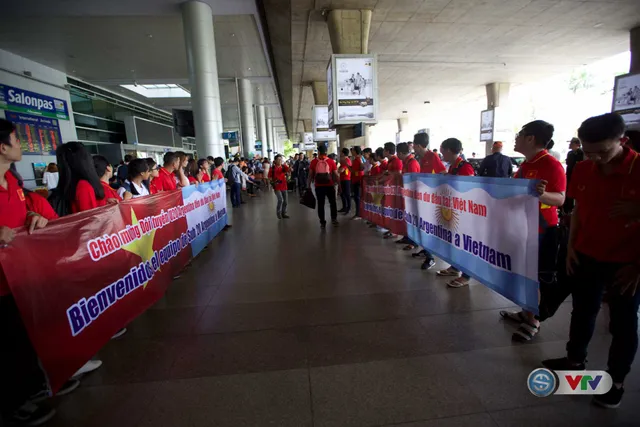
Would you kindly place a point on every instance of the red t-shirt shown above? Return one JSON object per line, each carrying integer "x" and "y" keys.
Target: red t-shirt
{"x": 217, "y": 174}
{"x": 345, "y": 164}
{"x": 205, "y": 176}
{"x": 462, "y": 170}
{"x": 152, "y": 187}
{"x": 278, "y": 173}
{"x": 85, "y": 198}
{"x": 384, "y": 165}
{"x": 12, "y": 203}
{"x": 431, "y": 163}
{"x": 599, "y": 235}
{"x": 109, "y": 193}
{"x": 332, "y": 169}
{"x": 410, "y": 165}
{"x": 165, "y": 181}
{"x": 357, "y": 169}
{"x": 192, "y": 180}
{"x": 376, "y": 169}
{"x": 38, "y": 204}
{"x": 395, "y": 164}
{"x": 545, "y": 166}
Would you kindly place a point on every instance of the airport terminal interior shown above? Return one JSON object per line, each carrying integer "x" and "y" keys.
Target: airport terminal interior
{"x": 279, "y": 322}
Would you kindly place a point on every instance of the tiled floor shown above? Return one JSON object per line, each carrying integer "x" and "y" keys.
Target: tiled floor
{"x": 280, "y": 324}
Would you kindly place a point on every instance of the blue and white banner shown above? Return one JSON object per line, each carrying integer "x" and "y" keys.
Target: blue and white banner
{"x": 485, "y": 227}
{"x": 207, "y": 215}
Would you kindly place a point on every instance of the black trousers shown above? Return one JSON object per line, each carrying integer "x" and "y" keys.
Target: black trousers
{"x": 20, "y": 373}
{"x": 356, "y": 186}
{"x": 591, "y": 278}
{"x": 346, "y": 195}
{"x": 329, "y": 193}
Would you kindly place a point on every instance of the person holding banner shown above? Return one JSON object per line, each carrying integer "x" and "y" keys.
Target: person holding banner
{"x": 165, "y": 181}
{"x": 451, "y": 149}
{"x": 409, "y": 165}
{"x": 430, "y": 162}
{"x": 532, "y": 141}
{"x": 603, "y": 250}
{"x": 356, "y": 179}
{"x": 134, "y": 186}
{"x": 392, "y": 164}
{"x": 153, "y": 174}
{"x": 324, "y": 173}
{"x": 345, "y": 181}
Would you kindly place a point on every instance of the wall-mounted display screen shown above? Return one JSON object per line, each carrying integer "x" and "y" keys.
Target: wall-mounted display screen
{"x": 321, "y": 129}
{"x": 354, "y": 88}
{"x": 37, "y": 135}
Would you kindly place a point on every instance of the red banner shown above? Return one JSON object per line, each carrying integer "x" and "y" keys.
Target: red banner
{"x": 83, "y": 277}
{"x": 382, "y": 202}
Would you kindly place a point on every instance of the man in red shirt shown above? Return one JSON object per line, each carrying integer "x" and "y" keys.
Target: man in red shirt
{"x": 539, "y": 164}
{"x": 356, "y": 178}
{"x": 278, "y": 177}
{"x": 451, "y": 149}
{"x": 429, "y": 163}
{"x": 216, "y": 173}
{"x": 166, "y": 180}
{"x": 324, "y": 173}
{"x": 409, "y": 162}
{"x": 20, "y": 375}
{"x": 345, "y": 181}
{"x": 376, "y": 164}
{"x": 603, "y": 250}
{"x": 395, "y": 164}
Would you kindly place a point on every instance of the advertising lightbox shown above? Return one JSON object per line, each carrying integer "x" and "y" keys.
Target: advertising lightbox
{"x": 626, "y": 99}
{"x": 353, "y": 89}
{"x": 486, "y": 125}
{"x": 321, "y": 130}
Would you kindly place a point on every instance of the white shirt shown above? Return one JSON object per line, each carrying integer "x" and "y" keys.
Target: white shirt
{"x": 50, "y": 179}
{"x": 141, "y": 189}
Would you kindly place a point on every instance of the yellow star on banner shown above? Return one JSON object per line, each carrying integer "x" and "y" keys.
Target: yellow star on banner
{"x": 377, "y": 198}
{"x": 143, "y": 247}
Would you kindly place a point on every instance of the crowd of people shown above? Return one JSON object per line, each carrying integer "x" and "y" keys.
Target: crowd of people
{"x": 589, "y": 224}
{"x": 77, "y": 182}
{"x": 577, "y": 256}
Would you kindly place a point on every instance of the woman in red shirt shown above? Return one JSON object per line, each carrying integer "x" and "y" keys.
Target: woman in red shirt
{"x": 105, "y": 172}
{"x": 154, "y": 169}
{"x": 79, "y": 188}
{"x": 194, "y": 173}
{"x": 278, "y": 177}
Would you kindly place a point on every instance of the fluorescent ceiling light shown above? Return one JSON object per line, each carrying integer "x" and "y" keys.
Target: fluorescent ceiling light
{"x": 168, "y": 90}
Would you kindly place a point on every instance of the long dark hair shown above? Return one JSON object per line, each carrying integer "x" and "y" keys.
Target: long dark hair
{"x": 74, "y": 164}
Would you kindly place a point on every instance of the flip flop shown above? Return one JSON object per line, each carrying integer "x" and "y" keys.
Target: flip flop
{"x": 458, "y": 283}
{"x": 408, "y": 248}
{"x": 526, "y": 332}
{"x": 448, "y": 273}
{"x": 515, "y": 316}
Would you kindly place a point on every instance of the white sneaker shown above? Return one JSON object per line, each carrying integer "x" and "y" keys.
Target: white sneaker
{"x": 90, "y": 366}
{"x": 120, "y": 333}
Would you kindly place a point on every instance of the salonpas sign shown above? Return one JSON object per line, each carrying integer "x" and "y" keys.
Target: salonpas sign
{"x": 23, "y": 101}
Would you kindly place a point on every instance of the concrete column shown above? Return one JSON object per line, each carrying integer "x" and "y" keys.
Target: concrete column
{"x": 246, "y": 114}
{"x": 262, "y": 130}
{"x": 349, "y": 30}
{"x": 197, "y": 20}
{"x": 497, "y": 94}
{"x": 497, "y": 99}
{"x": 634, "y": 47}
{"x": 320, "y": 93}
{"x": 270, "y": 138}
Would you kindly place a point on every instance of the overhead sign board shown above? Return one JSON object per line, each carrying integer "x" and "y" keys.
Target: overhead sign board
{"x": 486, "y": 125}
{"x": 37, "y": 135}
{"x": 353, "y": 89}
{"x": 307, "y": 141}
{"x": 24, "y": 101}
{"x": 626, "y": 99}
{"x": 321, "y": 129}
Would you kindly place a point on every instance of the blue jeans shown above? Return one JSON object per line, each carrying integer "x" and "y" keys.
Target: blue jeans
{"x": 235, "y": 194}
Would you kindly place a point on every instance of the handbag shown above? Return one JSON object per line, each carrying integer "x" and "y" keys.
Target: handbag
{"x": 308, "y": 199}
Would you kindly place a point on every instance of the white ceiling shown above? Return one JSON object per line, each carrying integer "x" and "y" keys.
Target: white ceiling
{"x": 445, "y": 51}
{"x": 122, "y": 42}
